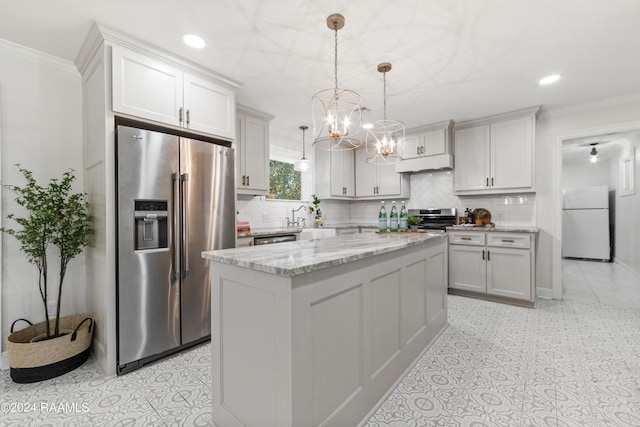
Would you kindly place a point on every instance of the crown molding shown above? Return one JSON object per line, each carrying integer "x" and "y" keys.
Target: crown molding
{"x": 590, "y": 106}
{"x": 36, "y": 56}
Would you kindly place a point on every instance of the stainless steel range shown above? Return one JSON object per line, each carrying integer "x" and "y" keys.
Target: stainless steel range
{"x": 435, "y": 219}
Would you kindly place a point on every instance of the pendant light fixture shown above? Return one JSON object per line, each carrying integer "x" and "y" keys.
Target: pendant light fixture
{"x": 336, "y": 112}
{"x": 385, "y": 139}
{"x": 302, "y": 165}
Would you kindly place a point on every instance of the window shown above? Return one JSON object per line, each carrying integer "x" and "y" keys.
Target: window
{"x": 284, "y": 182}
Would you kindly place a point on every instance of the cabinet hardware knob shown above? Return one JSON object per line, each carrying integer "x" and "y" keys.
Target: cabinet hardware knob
{"x": 487, "y": 182}
{"x": 483, "y": 254}
{"x": 488, "y": 255}
{"x": 244, "y": 180}
{"x": 248, "y": 180}
{"x": 465, "y": 238}
{"x": 508, "y": 240}
{"x": 188, "y": 117}
{"x": 180, "y": 114}
{"x": 492, "y": 181}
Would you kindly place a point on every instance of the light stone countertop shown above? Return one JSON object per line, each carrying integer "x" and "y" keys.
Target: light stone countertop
{"x": 501, "y": 229}
{"x": 303, "y": 256}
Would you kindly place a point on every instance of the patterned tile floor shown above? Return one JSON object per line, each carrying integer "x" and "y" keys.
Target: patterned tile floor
{"x": 574, "y": 362}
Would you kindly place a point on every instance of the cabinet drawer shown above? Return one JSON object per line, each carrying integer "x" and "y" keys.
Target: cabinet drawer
{"x": 474, "y": 238}
{"x": 519, "y": 240}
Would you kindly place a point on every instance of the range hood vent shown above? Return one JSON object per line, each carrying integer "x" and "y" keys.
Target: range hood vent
{"x": 427, "y": 163}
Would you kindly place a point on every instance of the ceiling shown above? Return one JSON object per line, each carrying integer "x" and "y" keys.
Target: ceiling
{"x": 607, "y": 145}
{"x": 452, "y": 59}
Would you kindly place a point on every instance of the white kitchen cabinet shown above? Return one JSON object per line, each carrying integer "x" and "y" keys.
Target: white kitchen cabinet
{"x": 467, "y": 268}
{"x": 378, "y": 181}
{"x": 252, "y": 151}
{"x": 496, "y": 155}
{"x": 427, "y": 148}
{"x": 494, "y": 264}
{"x": 335, "y": 174}
{"x": 157, "y": 89}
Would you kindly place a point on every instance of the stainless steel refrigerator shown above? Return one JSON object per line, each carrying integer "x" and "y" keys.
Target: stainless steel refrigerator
{"x": 175, "y": 200}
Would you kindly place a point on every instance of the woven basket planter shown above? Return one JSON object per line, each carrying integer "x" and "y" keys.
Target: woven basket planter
{"x": 37, "y": 360}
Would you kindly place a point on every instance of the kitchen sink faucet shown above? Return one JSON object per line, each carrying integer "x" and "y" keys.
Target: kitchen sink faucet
{"x": 295, "y": 222}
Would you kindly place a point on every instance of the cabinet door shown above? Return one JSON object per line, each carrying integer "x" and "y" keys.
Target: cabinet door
{"x": 388, "y": 181}
{"x": 467, "y": 268}
{"x": 256, "y": 154}
{"x": 239, "y": 147}
{"x": 342, "y": 173}
{"x": 366, "y": 175}
{"x": 512, "y": 154}
{"x": 209, "y": 107}
{"x": 471, "y": 158}
{"x": 509, "y": 273}
{"x": 411, "y": 147}
{"x": 433, "y": 143}
{"x": 146, "y": 88}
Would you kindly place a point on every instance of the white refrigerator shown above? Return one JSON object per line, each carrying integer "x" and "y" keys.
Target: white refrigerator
{"x": 585, "y": 223}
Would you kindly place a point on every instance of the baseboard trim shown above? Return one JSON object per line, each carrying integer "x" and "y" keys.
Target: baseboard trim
{"x": 628, "y": 269}
{"x": 545, "y": 293}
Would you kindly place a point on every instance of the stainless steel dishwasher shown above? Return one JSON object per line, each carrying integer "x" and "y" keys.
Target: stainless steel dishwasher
{"x": 267, "y": 240}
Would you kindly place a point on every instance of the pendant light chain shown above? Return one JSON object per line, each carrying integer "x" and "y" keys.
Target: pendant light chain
{"x": 335, "y": 57}
{"x": 384, "y": 80}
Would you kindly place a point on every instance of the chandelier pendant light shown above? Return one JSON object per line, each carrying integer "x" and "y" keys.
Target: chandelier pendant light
{"x": 385, "y": 140}
{"x": 337, "y": 114}
{"x": 302, "y": 165}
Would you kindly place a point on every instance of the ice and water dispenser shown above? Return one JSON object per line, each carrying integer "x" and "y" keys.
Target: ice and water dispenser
{"x": 151, "y": 224}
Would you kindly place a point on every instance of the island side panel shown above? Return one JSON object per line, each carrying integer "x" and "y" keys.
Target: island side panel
{"x": 356, "y": 333}
{"x": 251, "y": 347}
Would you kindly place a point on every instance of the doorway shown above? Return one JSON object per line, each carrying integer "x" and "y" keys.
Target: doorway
{"x": 613, "y": 145}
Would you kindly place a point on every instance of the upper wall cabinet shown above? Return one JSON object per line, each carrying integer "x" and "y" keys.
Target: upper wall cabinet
{"x": 496, "y": 155}
{"x": 427, "y": 148}
{"x": 252, "y": 152}
{"x": 154, "y": 89}
{"x": 335, "y": 174}
{"x": 378, "y": 181}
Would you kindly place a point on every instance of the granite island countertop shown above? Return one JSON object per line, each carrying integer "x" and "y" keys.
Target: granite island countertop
{"x": 303, "y": 256}
{"x": 499, "y": 229}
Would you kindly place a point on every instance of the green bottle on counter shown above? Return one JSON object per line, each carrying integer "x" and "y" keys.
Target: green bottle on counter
{"x": 382, "y": 218}
{"x": 393, "y": 219}
{"x": 404, "y": 219}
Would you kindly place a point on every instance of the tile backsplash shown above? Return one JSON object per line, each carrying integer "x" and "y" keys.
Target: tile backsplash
{"x": 428, "y": 190}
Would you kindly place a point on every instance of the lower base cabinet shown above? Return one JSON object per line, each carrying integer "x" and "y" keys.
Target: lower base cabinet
{"x": 493, "y": 264}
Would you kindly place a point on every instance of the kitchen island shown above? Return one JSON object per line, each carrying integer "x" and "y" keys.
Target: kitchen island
{"x": 318, "y": 332}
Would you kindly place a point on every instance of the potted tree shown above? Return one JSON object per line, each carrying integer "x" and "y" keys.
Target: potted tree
{"x": 318, "y": 222}
{"x": 55, "y": 218}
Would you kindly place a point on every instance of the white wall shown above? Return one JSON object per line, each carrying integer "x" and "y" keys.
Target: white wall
{"x": 40, "y": 103}
{"x": 627, "y": 232}
{"x": 585, "y": 173}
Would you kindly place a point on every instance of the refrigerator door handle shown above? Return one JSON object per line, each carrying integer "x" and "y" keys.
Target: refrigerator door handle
{"x": 175, "y": 259}
{"x": 185, "y": 223}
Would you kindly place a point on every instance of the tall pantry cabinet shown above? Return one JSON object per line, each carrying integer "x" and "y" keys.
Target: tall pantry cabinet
{"x": 124, "y": 91}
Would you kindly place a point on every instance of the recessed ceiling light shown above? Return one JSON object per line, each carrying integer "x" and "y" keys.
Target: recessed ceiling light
{"x": 550, "y": 79}
{"x": 367, "y": 126}
{"x": 194, "y": 41}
